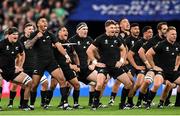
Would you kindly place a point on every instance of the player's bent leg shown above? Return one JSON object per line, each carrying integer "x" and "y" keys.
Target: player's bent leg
{"x": 44, "y": 91}
{"x": 100, "y": 81}
{"x": 149, "y": 77}
{"x": 59, "y": 76}
{"x": 35, "y": 82}
{"x": 75, "y": 83}
{"x": 127, "y": 85}
{"x": 158, "y": 80}
{"x": 12, "y": 94}
{"x": 24, "y": 79}
{"x": 53, "y": 85}
{"x": 167, "y": 88}
{"x": 132, "y": 92}
{"x": 177, "y": 102}
{"x": 114, "y": 92}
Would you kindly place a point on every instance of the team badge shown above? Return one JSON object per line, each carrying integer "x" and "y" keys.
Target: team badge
{"x": 17, "y": 48}
{"x": 79, "y": 43}
{"x": 7, "y": 47}
{"x": 115, "y": 41}
{"x": 106, "y": 41}
{"x": 167, "y": 48}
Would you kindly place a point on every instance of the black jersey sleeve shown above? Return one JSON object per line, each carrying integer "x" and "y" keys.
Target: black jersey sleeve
{"x": 97, "y": 41}
{"x": 148, "y": 45}
{"x": 158, "y": 48}
{"x": 21, "y": 48}
{"x": 136, "y": 47}
{"x": 53, "y": 38}
{"x": 1, "y": 45}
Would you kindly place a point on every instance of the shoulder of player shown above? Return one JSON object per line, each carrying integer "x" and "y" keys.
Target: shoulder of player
{"x": 102, "y": 36}
{"x": 73, "y": 38}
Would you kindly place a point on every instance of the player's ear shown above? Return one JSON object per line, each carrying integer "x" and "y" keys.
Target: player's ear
{"x": 77, "y": 31}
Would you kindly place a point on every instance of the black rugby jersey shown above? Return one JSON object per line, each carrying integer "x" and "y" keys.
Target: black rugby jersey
{"x": 131, "y": 41}
{"x": 43, "y": 46}
{"x": 136, "y": 48}
{"x": 8, "y": 53}
{"x": 29, "y": 55}
{"x": 109, "y": 49}
{"x": 69, "y": 49}
{"x": 81, "y": 47}
{"x": 152, "y": 42}
{"x": 166, "y": 54}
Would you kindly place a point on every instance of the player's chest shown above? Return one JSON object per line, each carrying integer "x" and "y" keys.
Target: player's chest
{"x": 83, "y": 45}
{"x": 109, "y": 43}
{"x": 11, "y": 49}
{"x": 171, "y": 50}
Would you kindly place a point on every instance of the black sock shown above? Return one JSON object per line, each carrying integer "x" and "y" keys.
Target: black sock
{"x": 25, "y": 103}
{"x": 49, "y": 95}
{"x": 0, "y": 93}
{"x": 140, "y": 97}
{"x": 43, "y": 97}
{"x": 12, "y": 96}
{"x": 146, "y": 96}
{"x": 161, "y": 102}
{"x": 130, "y": 100}
{"x": 124, "y": 95}
{"x": 113, "y": 95}
{"x": 96, "y": 98}
{"x": 151, "y": 96}
{"x": 21, "y": 96}
{"x": 177, "y": 102}
{"x": 91, "y": 96}
{"x": 76, "y": 96}
{"x": 68, "y": 90}
{"x": 33, "y": 98}
{"x": 169, "y": 95}
{"x": 63, "y": 91}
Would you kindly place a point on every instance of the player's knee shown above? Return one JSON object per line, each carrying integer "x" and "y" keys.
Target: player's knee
{"x": 99, "y": 86}
{"x": 76, "y": 86}
{"x": 156, "y": 86}
{"x": 137, "y": 85}
{"x": 45, "y": 85}
{"x": 148, "y": 79}
{"x": 129, "y": 85}
{"x": 27, "y": 80}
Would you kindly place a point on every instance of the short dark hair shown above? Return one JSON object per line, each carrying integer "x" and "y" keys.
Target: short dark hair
{"x": 159, "y": 26}
{"x": 134, "y": 24}
{"x": 39, "y": 18}
{"x": 122, "y": 19}
{"x": 146, "y": 28}
{"x": 12, "y": 30}
{"x": 171, "y": 28}
{"x": 109, "y": 22}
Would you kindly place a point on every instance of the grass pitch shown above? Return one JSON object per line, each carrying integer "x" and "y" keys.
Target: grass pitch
{"x": 111, "y": 110}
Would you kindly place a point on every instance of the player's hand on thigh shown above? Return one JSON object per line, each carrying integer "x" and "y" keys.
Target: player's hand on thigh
{"x": 156, "y": 68}
{"x": 91, "y": 67}
{"x": 18, "y": 69}
{"x": 101, "y": 65}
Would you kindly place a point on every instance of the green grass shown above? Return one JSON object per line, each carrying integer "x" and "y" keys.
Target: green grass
{"x": 113, "y": 110}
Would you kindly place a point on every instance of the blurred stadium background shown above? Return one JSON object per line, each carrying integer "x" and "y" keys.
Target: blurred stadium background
{"x": 93, "y": 12}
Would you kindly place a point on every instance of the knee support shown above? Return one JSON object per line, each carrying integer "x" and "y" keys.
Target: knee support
{"x": 43, "y": 79}
{"x": 149, "y": 77}
{"x": 26, "y": 80}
